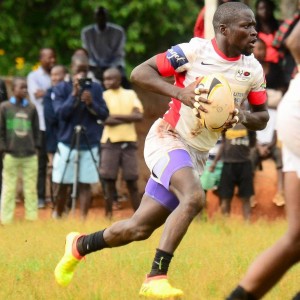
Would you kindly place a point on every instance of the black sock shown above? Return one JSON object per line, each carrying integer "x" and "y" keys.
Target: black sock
{"x": 297, "y": 297}
{"x": 240, "y": 294}
{"x": 91, "y": 243}
{"x": 160, "y": 263}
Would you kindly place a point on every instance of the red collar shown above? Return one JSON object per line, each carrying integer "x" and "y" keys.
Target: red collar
{"x": 220, "y": 53}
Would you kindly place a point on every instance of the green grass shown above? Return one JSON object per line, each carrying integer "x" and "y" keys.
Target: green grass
{"x": 207, "y": 265}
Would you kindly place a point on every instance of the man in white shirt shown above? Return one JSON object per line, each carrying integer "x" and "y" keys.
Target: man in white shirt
{"x": 39, "y": 82}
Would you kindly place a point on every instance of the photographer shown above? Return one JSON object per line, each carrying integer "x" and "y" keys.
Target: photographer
{"x": 80, "y": 109}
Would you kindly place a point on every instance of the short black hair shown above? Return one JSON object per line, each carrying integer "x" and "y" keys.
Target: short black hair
{"x": 101, "y": 10}
{"x": 81, "y": 49}
{"x": 227, "y": 12}
{"x": 15, "y": 80}
{"x": 64, "y": 68}
{"x": 80, "y": 58}
{"x": 44, "y": 49}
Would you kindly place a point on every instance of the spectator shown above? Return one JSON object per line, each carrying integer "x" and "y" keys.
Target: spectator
{"x": 288, "y": 62}
{"x": 3, "y": 97}
{"x": 105, "y": 43}
{"x": 3, "y": 91}
{"x": 58, "y": 73}
{"x": 266, "y": 27}
{"x": 237, "y": 168}
{"x": 19, "y": 141}
{"x": 119, "y": 139}
{"x": 271, "y": 265}
{"x": 39, "y": 82}
{"x": 84, "y": 52}
{"x": 210, "y": 179}
{"x": 80, "y": 108}
{"x": 266, "y": 145}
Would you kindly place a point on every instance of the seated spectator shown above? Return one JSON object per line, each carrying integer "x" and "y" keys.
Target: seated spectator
{"x": 19, "y": 141}
{"x": 105, "y": 43}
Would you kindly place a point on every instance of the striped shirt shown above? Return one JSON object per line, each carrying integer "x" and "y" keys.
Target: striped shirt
{"x": 201, "y": 57}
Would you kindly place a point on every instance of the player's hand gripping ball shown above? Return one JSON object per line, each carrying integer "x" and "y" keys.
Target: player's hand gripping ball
{"x": 221, "y": 102}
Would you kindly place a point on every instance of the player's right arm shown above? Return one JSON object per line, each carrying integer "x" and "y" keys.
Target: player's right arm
{"x": 150, "y": 75}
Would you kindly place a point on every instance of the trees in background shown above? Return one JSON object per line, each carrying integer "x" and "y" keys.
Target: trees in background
{"x": 151, "y": 26}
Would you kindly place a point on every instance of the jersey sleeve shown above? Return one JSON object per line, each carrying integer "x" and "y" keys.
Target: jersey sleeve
{"x": 257, "y": 94}
{"x": 177, "y": 59}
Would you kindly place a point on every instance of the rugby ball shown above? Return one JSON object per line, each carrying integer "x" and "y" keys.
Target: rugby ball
{"x": 221, "y": 98}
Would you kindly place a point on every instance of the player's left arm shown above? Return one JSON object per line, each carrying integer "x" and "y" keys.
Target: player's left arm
{"x": 256, "y": 119}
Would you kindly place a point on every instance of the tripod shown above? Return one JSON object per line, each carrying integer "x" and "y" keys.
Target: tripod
{"x": 75, "y": 145}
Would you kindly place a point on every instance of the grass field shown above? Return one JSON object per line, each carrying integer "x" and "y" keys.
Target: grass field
{"x": 207, "y": 265}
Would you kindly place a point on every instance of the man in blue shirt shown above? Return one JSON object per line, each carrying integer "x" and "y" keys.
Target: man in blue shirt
{"x": 80, "y": 109}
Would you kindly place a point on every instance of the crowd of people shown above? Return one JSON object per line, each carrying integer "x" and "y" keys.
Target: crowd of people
{"x": 52, "y": 126}
{"x": 103, "y": 50}
{"x": 279, "y": 67}
{"x": 45, "y": 88}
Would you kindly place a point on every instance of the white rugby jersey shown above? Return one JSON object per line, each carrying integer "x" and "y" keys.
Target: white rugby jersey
{"x": 201, "y": 57}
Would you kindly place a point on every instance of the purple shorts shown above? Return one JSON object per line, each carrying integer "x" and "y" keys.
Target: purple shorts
{"x": 164, "y": 169}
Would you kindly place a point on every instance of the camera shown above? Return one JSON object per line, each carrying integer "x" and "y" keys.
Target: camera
{"x": 85, "y": 83}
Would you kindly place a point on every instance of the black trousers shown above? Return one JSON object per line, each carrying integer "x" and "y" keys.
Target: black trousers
{"x": 42, "y": 168}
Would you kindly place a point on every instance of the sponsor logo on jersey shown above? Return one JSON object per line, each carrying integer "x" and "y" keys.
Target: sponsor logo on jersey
{"x": 242, "y": 75}
{"x": 206, "y": 64}
{"x": 238, "y": 97}
{"x": 176, "y": 57}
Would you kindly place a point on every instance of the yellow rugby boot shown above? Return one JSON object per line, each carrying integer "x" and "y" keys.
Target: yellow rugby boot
{"x": 159, "y": 287}
{"x": 64, "y": 270}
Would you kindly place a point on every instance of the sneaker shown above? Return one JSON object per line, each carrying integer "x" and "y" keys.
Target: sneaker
{"x": 279, "y": 199}
{"x": 159, "y": 287}
{"x": 253, "y": 202}
{"x": 41, "y": 203}
{"x": 64, "y": 271}
{"x": 116, "y": 205}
